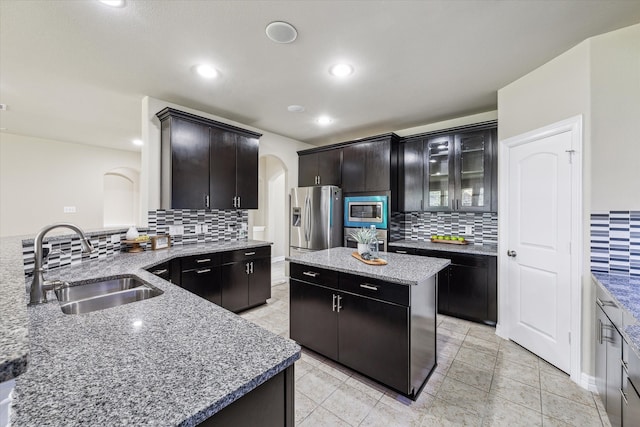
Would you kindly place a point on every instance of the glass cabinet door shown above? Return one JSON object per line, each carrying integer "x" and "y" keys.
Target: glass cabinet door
{"x": 438, "y": 161}
{"x": 473, "y": 171}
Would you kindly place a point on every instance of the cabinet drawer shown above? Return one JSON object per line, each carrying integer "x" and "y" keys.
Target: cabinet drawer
{"x": 379, "y": 289}
{"x": 401, "y": 250}
{"x": 246, "y": 254}
{"x": 609, "y": 306}
{"x": 319, "y": 276}
{"x": 633, "y": 362}
{"x": 199, "y": 261}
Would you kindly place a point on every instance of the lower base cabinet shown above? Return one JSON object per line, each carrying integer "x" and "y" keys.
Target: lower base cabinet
{"x": 366, "y": 324}
{"x": 270, "y": 405}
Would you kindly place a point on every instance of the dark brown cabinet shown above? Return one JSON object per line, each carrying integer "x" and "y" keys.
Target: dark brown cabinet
{"x": 207, "y": 164}
{"x": 365, "y": 324}
{"x": 454, "y": 170}
{"x": 370, "y": 165}
{"x": 201, "y": 275}
{"x": 246, "y": 278}
{"x": 320, "y": 167}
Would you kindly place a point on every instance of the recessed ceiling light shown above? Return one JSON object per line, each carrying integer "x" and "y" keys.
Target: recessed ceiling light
{"x": 281, "y": 32}
{"x": 341, "y": 70}
{"x": 137, "y": 142}
{"x": 207, "y": 71}
{"x": 113, "y": 3}
{"x": 324, "y": 120}
{"x": 295, "y": 108}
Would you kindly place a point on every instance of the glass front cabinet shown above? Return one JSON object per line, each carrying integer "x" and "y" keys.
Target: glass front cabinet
{"x": 459, "y": 172}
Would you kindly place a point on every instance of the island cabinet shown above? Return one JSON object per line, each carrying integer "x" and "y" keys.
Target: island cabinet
{"x": 370, "y": 165}
{"x": 207, "y": 164}
{"x": 452, "y": 170}
{"x": 246, "y": 278}
{"x": 365, "y": 324}
{"x": 201, "y": 275}
{"x": 320, "y": 167}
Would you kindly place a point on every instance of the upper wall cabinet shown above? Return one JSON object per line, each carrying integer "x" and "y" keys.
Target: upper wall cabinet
{"x": 319, "y": 167}
{"x": 207, "y": 164}
{"x": 370, "y": 165}
{"x": 450, "y": 171}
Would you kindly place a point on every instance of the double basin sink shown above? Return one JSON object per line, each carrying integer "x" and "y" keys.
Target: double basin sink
{"x": 101, "y": 294}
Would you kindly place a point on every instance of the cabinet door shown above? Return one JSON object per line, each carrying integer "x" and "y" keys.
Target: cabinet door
{"x": 411, "y": 176}
{"x": 330, "y": 167}
{"x": 373, "y": 338}
{"x": 443, "y": 290}
{"x": 601, "y": 354}
{"x": 260, "y": 281}
{"x": 313, "y": 320}
{"x": 223, "y": 169}
{"x": 353, "y": 168}
{"x": 631, "y": 410}
{"x": 247, "y": 172}
{"x": 204, "y": 282}
{"x": 377, "y": 166}
{"x": 614, "y": 373}
{"x": 468, "y": 291}
{"x": 189, "y": 153}
{"x": 235, "y": 286}
{"x": 307, "y": 169}
{"x": 438, "y": 163}
{"x": 473, "y": 171}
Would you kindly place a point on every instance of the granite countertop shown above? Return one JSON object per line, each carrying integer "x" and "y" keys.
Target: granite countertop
{"x": 175, "y": 359}
{"x": 625, "y": 290}
{"x": 463, "y": 249}
{"x": 402, "y": 269}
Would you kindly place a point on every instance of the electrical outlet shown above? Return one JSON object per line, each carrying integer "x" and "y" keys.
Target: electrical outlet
{"x": 205, "y": 228}
{"x": 468, "y": 229}
{"x": 176, "y": 230}
{"x": 115, "y": 238}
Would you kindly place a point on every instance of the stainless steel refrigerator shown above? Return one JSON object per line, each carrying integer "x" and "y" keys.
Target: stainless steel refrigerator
{"x": 316, "y": 218}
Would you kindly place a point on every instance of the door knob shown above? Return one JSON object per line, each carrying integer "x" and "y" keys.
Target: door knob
{"x": 512, "y": 254}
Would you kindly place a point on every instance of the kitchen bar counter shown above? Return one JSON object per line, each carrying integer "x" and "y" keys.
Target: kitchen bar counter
{"x": 445, "y": 247}
{"x": 624, "y": 290}
{"x": 402, "y": 269}
{"x": 175, "y": 359}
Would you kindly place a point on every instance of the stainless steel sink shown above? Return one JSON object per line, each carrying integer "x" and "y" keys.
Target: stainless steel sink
{"x": 98, "y": 295}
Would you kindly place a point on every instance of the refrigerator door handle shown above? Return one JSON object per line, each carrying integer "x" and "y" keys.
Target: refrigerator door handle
{"x": 307, "y": 218}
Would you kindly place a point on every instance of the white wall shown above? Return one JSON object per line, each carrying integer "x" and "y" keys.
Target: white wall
{"x": 599, "y": 79}
{"x": 277, "y": 214}
{"x": 40, "y": 176}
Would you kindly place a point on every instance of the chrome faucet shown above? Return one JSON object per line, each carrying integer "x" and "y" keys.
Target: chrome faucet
{"x": 39, "y": 286}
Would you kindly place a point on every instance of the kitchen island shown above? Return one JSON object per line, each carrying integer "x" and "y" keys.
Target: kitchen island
{"x": 174, "y": 359}
{"x": 377, "y": 320}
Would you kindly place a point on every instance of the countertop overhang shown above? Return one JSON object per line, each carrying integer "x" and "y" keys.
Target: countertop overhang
{"x": 175, "y": 359}
{"x": 445, "y": 247}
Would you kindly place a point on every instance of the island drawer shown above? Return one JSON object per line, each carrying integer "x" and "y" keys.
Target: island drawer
{"x": 200, "y": 261}
{"x": 246, "y": 254}
{"x": 318, "y": 276}
{"x": 374, "y": 288}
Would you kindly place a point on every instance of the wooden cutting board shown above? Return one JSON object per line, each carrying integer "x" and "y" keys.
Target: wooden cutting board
{"x": 377, "y": 261}
{"x": 451, "y": 242}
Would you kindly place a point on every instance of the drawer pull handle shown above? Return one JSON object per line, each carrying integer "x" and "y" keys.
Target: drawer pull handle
{"x": 401, "y": 252}
{"x": 203, "y": 260}
{"x": 625, "y": 366}
{"x": 164, "y": 270}
{"x": 606, "y": 303}
{"x": 368, "y": 286}
{"x": 624, "y": 397}
{"x": 206, "y": 270}
{"x": 311, "y": 274}
{"x": 249, "y": 253}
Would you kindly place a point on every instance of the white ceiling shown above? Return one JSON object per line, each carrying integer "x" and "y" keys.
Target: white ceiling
{"x": 77, "y": 70}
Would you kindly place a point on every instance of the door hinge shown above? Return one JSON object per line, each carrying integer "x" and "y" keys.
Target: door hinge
{"x": 571, "y": 153}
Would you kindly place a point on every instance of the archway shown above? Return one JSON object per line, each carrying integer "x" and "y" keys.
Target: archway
{"x": 121, "y": 187}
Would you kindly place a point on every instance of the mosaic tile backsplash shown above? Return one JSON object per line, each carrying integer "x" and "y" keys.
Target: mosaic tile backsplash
{"x": 422, "y": 225}
{"x": 615, "y": 242}
{"x": 220, "y": 226}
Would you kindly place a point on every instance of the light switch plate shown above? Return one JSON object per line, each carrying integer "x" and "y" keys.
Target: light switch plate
{"x": 468, "y": 229}
{"x": 115, "y": 238}
{"x": 176, "y": 230}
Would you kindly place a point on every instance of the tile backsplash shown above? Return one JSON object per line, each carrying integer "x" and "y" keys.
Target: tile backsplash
{"x": 615, "y": 242}
{"x": 422, "y": 225}
{"x": 220, "y": 225}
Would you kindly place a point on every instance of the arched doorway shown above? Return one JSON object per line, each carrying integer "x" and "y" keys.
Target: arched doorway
{"x": 121, "y": 187}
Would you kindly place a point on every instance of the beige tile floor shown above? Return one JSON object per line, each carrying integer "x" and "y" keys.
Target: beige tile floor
{"x": 480, "y": 380}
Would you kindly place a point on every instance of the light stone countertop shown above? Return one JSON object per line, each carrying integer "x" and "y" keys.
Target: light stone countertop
{"x": 445, "y": 247}
{"x": 625, "y": 290}
{"x": 402, "y": 269}
{"x": 175, "y": 359}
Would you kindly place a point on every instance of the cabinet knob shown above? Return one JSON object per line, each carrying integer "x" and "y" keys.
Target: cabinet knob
{"x": 512, "y": 254}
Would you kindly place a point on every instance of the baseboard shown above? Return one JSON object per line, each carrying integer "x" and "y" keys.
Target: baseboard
{"x": 501, "y": 332}
{"x": 277, "y": 259}
{"x": 588, "y": 382}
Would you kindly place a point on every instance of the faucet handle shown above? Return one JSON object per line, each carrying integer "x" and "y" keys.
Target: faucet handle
{"x": 54, "y": 285}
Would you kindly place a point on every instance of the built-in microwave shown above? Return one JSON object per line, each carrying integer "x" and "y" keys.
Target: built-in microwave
{"x": 364, "y": 211}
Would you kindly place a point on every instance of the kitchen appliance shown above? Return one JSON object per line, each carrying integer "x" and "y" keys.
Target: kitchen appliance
{"x": 365, "y": 211}
{"x": 316, "y": 218}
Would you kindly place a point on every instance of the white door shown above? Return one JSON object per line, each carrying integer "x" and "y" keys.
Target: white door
{"x": 539, "y": 221}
